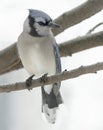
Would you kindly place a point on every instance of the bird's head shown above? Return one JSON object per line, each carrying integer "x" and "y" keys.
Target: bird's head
{"x": 38, "y": 23}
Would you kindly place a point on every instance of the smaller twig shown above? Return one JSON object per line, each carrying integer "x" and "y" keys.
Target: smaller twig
{"x": 96, "y": 26}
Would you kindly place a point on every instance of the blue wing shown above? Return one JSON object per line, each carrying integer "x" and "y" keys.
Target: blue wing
{"x": 56, "y": 86}
{"x": 57, "y": 58}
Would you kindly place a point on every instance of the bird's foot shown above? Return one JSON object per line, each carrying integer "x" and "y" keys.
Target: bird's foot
{"x": 44, "y": 78}
{"x": 29, "y": 82}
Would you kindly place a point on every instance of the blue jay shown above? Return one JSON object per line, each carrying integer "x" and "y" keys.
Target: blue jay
{"x": 39, "y": 54}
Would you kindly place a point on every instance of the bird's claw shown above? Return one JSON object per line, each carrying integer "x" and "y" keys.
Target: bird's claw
{"x": 44, "y": 78}
{"x": 29, "y": 82}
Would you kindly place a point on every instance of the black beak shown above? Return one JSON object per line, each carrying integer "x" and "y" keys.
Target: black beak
{"x": 54, "y": 25}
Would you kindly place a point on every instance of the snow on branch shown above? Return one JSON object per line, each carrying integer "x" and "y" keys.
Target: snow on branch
{"x": 55, "y": 78}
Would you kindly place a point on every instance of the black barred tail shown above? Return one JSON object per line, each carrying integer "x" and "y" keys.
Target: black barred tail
{"x": 50, "y": 104}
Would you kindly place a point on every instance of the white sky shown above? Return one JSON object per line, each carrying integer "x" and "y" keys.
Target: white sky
{"x": 83, "y": 96}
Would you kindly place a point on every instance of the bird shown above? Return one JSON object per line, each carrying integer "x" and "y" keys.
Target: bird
{"x": 39, "y": 54}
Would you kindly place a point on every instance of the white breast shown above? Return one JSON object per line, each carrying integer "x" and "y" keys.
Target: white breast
{"x": 37, "y": 54}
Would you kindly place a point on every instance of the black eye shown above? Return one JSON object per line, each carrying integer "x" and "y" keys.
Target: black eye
{"x": 41, "y": 23}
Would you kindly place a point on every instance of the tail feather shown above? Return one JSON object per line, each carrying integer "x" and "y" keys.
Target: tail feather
{"x": 50, "y": 104}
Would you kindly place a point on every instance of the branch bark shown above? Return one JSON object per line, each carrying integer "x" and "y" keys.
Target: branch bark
{"x": 55, "y": 78}
{"x": 81, "y": 43}
{"x": 9, "y": 59}
{"x": 78, "y": 14}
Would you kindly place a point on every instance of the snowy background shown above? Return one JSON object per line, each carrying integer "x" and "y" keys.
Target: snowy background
{"x": 83, "y": 96}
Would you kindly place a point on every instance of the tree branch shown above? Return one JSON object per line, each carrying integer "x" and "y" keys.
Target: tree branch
{"x": 81, "y": 43}
{"x": 96, "y": 26}
{"x": 55, "y": 78}
{"x": 78, "y": 14}
{"x": 9, "y": 59}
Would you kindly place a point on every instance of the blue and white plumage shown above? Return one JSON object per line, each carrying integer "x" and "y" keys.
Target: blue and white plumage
{"x": 39, "y": 55}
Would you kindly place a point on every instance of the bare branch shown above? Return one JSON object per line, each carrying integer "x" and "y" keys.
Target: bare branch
{"x": 81, "y": 43}
{"x": 9, "y": 59}
{"x": 78, "y": 14}
{"x": 96, "y": 26}
{"x": 55, "y": 78}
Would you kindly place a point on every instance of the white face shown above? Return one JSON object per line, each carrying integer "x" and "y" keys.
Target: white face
{"x": 40, "y": 27}
{"x": 42, "y": 30}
